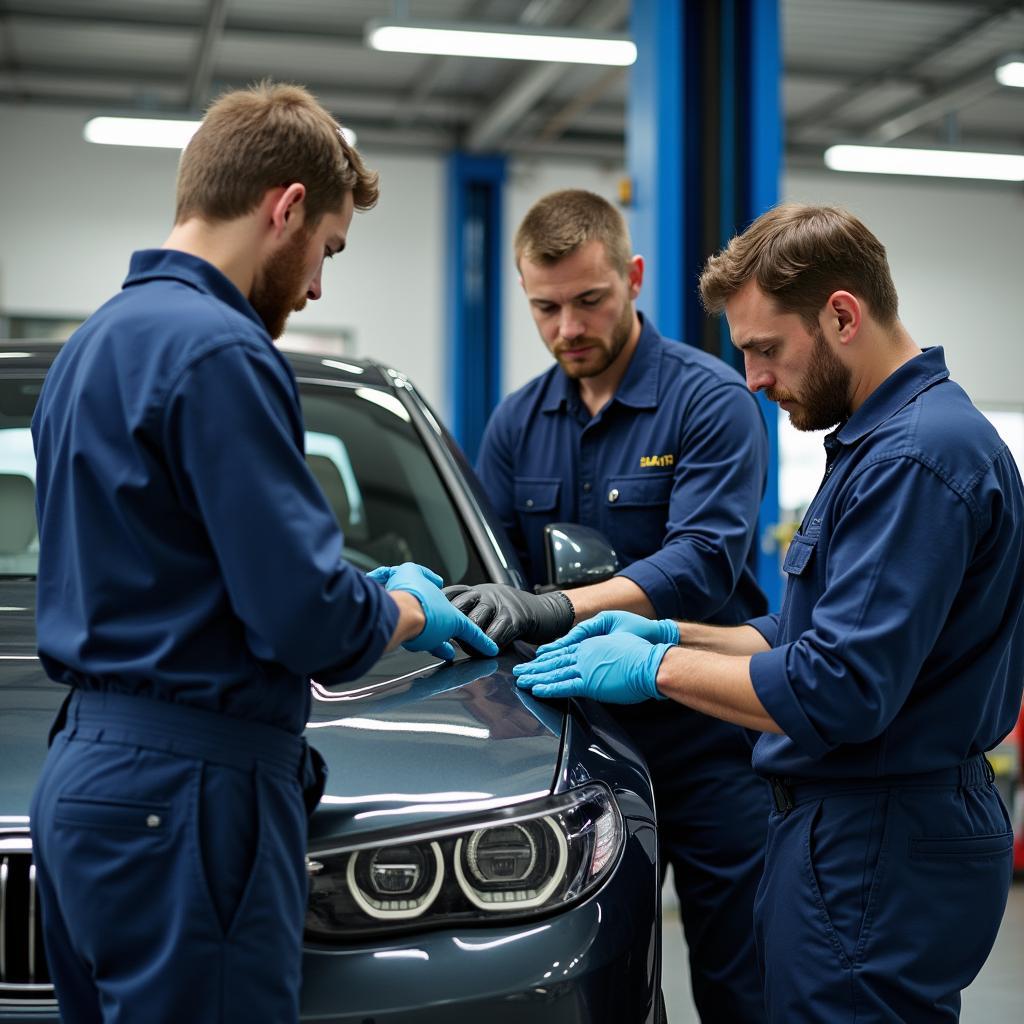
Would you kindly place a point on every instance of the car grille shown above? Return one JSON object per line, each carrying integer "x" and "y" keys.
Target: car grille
{"x": 24, "y": 977}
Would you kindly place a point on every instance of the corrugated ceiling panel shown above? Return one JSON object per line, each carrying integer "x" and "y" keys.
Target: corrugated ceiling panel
{"x": 80, "y": 44}
{"x": 865, "y": 35}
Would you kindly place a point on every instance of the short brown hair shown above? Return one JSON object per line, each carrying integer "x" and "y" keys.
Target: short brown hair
{"x": 255, "y": 139}
{"x": 800, "y": 255}
{"x": 562, "y": 222}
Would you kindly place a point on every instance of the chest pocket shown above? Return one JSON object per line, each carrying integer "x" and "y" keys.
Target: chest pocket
{"x": 537, "y": 494}
{"x": 798, "y": 556}
{"x": 638, "y": 491}
{"x": 635, "y": 513}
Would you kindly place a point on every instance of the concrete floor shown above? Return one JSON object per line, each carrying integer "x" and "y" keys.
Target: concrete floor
{"x": 996, "y": 997}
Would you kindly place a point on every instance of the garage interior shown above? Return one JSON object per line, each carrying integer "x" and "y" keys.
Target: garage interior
{"x": 877, "y": 73}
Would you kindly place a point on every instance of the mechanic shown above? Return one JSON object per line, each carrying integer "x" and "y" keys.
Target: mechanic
{"x": 896, "y": 662}
{"x": 660, "y": 447}
{"x": 190, "y": 583}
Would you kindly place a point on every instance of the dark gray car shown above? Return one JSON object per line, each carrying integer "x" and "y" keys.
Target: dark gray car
{"x": 478, "y": 854}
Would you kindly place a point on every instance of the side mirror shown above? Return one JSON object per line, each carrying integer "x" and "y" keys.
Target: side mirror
{"x": 577, "y": 555}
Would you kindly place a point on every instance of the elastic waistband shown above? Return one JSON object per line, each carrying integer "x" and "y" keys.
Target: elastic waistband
{"x": 180, "y": 729}
{"x": 788, "y": 793}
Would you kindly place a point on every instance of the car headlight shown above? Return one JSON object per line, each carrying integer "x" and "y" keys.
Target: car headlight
{"x": 519, "y": 861}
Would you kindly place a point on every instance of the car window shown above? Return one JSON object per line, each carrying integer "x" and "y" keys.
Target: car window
{"x": 19, "y": 542}
{"x": 382, "y": 484}
{"x": 366, "y": 455}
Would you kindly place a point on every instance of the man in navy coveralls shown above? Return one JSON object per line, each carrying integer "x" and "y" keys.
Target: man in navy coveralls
{"x": 660, "y": 447}
{"x": 897, "y": 659}
{"x": 189, "y": 585}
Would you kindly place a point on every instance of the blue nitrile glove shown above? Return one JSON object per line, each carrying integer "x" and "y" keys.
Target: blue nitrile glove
{"x": 383, "y": 573}
{"x": 620, "y": 669}
{"x": 654, "y": 631}
{"x": 444, "y": 621}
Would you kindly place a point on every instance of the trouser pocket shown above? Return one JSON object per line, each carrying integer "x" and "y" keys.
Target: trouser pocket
{"x": 845, "y": 861}
{"x": 228, "y": 829}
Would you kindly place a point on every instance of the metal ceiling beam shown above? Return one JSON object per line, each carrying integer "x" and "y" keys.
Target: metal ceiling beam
{"x": 910, "y": 67}
{"x": 91, "y": 84}
{"x": 202, "y": 69}
{"x": 954, "y": 96}
{"x": 556, "y": 125}
{"x": 830, "y": 73}
{"x": 70, "y": 15}
{"x": 433, "y": 74}
{"x": 514, "y": 102}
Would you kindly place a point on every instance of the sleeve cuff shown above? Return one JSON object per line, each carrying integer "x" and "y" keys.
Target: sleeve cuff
{"x": 382, "y": 617}
{"x": 660, "y": 589}
{"x": 771, "y": 684}
{"x": 767, "y": 626}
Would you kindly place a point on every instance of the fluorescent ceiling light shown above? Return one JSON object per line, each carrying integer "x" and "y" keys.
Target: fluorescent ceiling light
{"x": 508, "y": 42}
{"x": 1011, "y": 73}
{"x": 158, "y": 133}
{"x": 938, "y": 163}
{"x": 140, "y": 131}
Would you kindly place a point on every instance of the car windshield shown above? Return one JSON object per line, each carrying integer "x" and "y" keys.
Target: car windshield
{"x": 361, "y": 446}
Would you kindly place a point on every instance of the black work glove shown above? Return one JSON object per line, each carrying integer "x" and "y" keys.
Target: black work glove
{"x": 506, "y": 614}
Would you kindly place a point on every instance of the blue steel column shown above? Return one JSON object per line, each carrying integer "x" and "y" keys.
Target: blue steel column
{"x": 474, "y": 254}
{"x": 704, "y": 151}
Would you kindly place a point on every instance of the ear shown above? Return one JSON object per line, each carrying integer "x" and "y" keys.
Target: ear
{"x": 287, "y": 208}
{"x": 844, "y": 314}
{"x": 635, "y": 275}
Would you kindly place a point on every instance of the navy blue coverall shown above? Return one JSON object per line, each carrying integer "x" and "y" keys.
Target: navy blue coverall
{"x": 897, "y": 660}
{"x": 190, "y": 581}
{"x": 672, "y": 471}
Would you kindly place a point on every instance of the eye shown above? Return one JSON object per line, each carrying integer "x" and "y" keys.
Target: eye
{"x": 591, "y": 302}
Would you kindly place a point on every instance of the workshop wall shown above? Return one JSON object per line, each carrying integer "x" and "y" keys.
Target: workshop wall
{"x": 72, "y": 212}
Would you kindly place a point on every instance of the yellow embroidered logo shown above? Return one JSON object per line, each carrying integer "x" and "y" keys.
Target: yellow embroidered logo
{"x": 656, "y": 460}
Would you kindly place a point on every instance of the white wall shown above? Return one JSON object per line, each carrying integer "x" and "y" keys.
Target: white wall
{"x": 957, "y": 256}
{"x": 71, "y": 213}
{"x": 524, "y": 354}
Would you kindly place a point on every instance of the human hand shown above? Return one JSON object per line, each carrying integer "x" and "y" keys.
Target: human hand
{"x": 619, "y": 669}
{"x": 383, "y": 573}
{"x": 443, "y": 621}
{"x": 654, "y": 631}
{"x": 506, "y": 613}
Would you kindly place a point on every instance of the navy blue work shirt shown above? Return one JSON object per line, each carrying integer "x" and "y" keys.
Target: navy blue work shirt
{"x": 671, "y": 470}
{"x": 186, "y": 552}
{"x": 900, "y": 644}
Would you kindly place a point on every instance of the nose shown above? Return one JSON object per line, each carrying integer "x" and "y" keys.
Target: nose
{"x": 314, "y": 290}
{"x": 570, "y": 326}
{"x": 758, "y": 378}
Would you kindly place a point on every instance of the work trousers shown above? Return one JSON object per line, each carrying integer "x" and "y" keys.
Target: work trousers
{"x": 712, "y": 812}
{"x": 170, "y": 854}
{"x": 881, "y": 899}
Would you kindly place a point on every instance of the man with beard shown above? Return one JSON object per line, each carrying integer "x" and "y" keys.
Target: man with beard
{"x": 896, "y": 662}
{"x": 189, "y": 585}
{"x": 660, "y": 447}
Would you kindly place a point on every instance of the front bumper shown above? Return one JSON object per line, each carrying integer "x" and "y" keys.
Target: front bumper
{"x": 598, "y": 962}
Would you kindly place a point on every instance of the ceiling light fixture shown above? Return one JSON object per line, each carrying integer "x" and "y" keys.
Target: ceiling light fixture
{"x": 1011, "y": 72}
{"x": 937, "y": 163}
{"x": 157, "y": 133}
{"x": 511, "y": 42}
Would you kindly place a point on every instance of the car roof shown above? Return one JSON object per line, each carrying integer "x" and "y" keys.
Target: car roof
{"x": 38, "y": 354}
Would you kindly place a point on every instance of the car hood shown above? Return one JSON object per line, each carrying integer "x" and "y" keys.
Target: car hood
{"x": 412, "y": 741}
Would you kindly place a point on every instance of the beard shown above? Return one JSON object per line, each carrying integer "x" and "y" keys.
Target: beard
{"x": 278, "y": 289}
{"x": 824, "y": 395}
{"x": 602, "y": 353}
